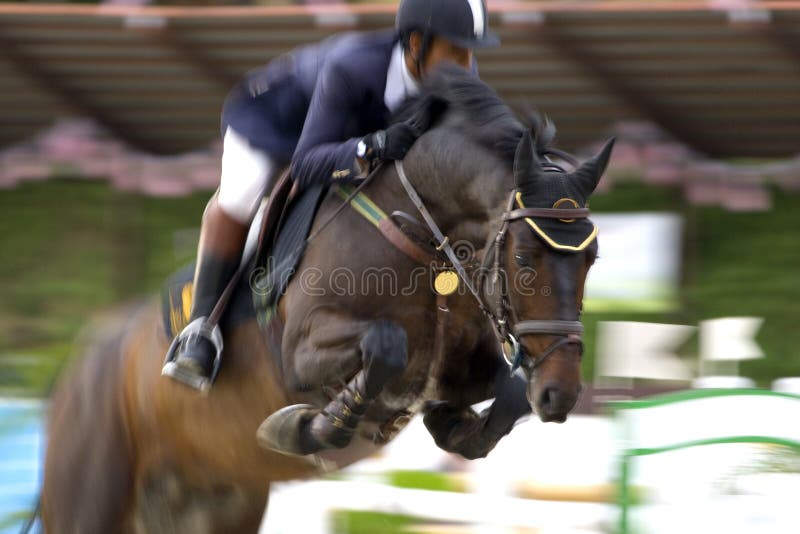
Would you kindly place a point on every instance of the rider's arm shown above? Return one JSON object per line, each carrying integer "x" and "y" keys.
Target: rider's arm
{"x": 323, "y": 148}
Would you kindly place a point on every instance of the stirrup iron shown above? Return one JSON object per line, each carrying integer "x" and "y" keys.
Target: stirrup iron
{"x": 198, "y": 327}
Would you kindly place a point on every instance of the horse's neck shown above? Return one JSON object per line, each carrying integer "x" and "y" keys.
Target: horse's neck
{"x": 465, "y": 188}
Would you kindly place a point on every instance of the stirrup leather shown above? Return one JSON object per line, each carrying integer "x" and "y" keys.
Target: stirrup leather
{"x": 198, "y": 327}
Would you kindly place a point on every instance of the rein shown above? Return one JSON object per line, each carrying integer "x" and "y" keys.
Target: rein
{"x": 344, "y": 204}
{"x": 506, "y": 330}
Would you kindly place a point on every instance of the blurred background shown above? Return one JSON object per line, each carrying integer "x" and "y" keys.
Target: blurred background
{"x": 109, "y": 150}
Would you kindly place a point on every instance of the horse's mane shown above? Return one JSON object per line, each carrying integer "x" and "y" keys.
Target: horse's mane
{"x": 480, "y": 111}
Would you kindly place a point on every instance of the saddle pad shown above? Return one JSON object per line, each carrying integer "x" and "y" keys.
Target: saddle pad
{"x": 176, "y": 302}
{"x": 276, "y": 266}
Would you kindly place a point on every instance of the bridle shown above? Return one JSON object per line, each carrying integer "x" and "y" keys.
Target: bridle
{"x": 509, "y": 327}
{"x": 503, "y": 317}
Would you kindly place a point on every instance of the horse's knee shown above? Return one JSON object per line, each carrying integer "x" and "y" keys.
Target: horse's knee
{"x": 460, "y": 430}
{"x": 384, "y": 351}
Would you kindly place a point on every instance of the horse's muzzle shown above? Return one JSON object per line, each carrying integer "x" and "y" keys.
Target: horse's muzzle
{"x": 553, "y": 402}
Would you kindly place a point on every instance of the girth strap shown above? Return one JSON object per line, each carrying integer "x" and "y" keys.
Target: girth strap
{"x": 440, "y": 339}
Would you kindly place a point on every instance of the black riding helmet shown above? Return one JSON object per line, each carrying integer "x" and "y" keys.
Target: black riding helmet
{"x": 462, "y": 22}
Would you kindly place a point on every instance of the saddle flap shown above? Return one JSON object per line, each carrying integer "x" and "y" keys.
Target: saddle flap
{"x": 277, "y": 263}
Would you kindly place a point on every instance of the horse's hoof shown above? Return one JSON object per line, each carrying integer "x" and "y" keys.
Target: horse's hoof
{"x": 281, "y": 432}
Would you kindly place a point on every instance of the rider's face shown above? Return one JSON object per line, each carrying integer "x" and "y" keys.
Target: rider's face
{"x": 439, "y": 50}
{"x": 443, "y": 50}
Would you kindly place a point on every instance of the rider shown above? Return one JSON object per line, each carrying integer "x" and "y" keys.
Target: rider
{"x": 325, "y": 107}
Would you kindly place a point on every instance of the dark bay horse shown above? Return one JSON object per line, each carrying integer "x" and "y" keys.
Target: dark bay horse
{"x": 130, "y": 451}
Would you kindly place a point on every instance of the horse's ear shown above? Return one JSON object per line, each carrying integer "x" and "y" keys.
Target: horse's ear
{"x": 525, "y": 160}
{"x": 588, "y": 175}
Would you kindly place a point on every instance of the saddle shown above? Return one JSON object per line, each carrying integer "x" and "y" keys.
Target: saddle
{"x": 285, "y": 224}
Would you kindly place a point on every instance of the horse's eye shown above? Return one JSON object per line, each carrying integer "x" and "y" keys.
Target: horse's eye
{"x": 521, "y": 260}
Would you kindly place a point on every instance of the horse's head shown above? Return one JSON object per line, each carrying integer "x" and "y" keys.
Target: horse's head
{"x": 536, "y": 266}
{"x": 547, "y": 255}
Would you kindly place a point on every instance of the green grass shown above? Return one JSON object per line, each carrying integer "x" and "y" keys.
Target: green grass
{"x": 358, "y": 522}
{"x": 427, "y": 480}
{"x": 73, "y": 249}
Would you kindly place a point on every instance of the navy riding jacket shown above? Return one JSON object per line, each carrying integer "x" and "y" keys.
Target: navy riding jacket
{"x": 313, "y": 105}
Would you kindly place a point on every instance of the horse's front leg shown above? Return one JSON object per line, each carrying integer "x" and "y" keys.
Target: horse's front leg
{"x": 381, "y": 350}
{"x": 460, "y": 430}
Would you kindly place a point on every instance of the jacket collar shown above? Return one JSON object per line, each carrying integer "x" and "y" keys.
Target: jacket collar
{"x": 400, "y": 84}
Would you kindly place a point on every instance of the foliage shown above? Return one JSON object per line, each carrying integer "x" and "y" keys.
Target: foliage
{"x": 734, "y": 264}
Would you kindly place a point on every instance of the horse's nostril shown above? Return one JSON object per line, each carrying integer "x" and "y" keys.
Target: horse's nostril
{"x": 549, "y": 400}
{"x": 554, "y": 404}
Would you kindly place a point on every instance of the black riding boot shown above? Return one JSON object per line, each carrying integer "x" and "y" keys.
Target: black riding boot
{"x": 193, "y": 358}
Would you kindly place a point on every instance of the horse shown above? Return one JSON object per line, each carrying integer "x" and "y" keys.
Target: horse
{"x": 348, "y": 365}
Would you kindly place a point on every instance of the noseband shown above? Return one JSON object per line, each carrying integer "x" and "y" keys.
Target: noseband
{"x": 503, "y": 318}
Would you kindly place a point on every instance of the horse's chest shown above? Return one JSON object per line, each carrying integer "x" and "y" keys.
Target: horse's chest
{"x": 418, "y": 384}
{"x": 405, "y": 397}
{"x": 429, "y": 360}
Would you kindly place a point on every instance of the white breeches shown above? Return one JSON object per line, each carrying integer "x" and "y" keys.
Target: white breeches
{"x": 246, "y": 174}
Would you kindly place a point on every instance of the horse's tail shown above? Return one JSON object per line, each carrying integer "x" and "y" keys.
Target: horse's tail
{"x": 89, "y": 455}
{"x": 37, "y": 512}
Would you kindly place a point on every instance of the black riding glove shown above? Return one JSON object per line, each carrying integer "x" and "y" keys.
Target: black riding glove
{"x": 392, "y": 143}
